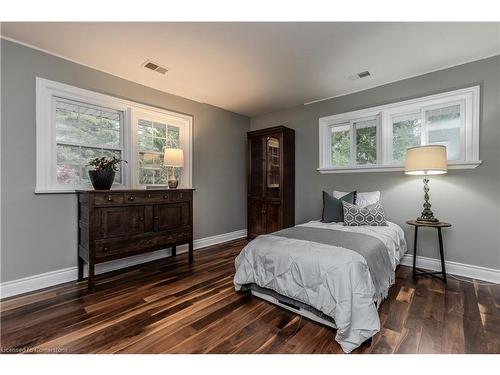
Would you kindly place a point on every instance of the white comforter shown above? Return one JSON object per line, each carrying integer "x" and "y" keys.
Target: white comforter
{"x": 332, "y": 279}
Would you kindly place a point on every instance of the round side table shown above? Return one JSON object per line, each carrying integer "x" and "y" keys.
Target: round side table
{"x": 438, "y": 226}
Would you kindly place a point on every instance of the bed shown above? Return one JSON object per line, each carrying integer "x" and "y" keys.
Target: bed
{"x": 334, "y": 274}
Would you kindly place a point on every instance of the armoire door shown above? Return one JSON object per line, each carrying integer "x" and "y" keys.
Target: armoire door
{"x": 272, "y": 217}
{"x": 255, "y": 167}
{"x": 272, "y": 165}
{"x": 256, "y": 225}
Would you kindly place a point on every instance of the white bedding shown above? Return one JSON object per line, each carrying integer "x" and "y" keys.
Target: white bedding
{"x": 332, "y": 279}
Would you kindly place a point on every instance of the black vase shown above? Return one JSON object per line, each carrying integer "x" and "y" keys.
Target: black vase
{"x": 102, "y": 180}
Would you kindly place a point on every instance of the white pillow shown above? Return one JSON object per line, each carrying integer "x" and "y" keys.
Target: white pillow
{"x": 362, "y": 199}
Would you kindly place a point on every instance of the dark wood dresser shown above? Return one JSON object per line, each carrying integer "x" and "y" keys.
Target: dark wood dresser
{"x": 115, "y": 224}
{"x": 271, "y": 180}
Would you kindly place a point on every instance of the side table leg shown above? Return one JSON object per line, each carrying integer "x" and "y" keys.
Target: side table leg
{"x": 415, "y": 250}
{"x": 441, "y": 253}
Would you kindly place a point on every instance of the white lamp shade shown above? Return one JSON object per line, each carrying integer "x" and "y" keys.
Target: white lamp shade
{"x": 426, "y": 160}
{"x": 174, "y": 157}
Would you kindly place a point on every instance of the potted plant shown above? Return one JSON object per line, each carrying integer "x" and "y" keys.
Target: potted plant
{"x": 103, "y": 174}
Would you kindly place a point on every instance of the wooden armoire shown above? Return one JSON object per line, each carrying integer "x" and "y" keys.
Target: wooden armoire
{"x": 271, "y": 180}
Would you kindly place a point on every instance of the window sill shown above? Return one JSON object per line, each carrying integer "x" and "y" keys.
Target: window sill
{"x": 73, "y": 190}
{"x": 114, "y": 188}
{"x": 394, "y": 168}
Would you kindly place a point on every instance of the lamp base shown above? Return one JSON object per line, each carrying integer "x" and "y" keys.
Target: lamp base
{"x": 423, "y": 220}
{"x": 172, "y": 184}
{"x": 427, "y": 216}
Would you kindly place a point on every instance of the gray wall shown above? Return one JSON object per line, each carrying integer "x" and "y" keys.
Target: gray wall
{"x": 39, "y": 231}
{"x": 469, "y": 199}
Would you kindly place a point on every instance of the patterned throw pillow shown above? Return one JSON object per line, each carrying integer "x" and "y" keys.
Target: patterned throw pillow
{"x": 372, "y": 215}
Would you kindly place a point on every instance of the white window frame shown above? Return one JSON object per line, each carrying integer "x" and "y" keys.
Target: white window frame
{"x": 468, "y": 98}
{"x": 46, "y": 90}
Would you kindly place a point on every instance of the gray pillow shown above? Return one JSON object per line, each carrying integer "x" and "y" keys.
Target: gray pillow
{"x": 333, "y": 211}
{"x": 372, "y": 214}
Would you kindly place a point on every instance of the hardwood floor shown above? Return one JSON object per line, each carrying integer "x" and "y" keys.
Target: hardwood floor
{"x": 169, "y": 306}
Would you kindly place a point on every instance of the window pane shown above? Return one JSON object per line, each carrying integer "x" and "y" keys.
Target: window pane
{"x": 159, "y": 130}
{"x": 89, "y": 153}
{"x": 144, "y": 135}
{"x": 151, "y": 170}
{"x": 68, "y": 174}
{"x": 86, "y": 125}
{"x": 340, "y": 145}
{"x": 84, "y": 174}
{"x": 73, "y": 163}
{"x": 110, "y": 129}
{"x": 146, "y": 176}
{"x": 159, "y": 144}
{"x": 160, "y": 176}
{"x": 366, "y": 141}
{"x": 98, "y": 127}
{"x": 150, "y": 160}
{"x": 173, "y": 137}
{"x": 443, "y": 128}
{"x": 67, "y": 129}
{"x": 406, "y": 132}
{"x": 68, "y": 154}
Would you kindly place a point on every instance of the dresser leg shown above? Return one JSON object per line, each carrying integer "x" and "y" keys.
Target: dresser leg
{"x": 441, "y": 253}
{"x": 91, "y": 281}
{"x": 80, "y": 268}
{"x": 174, "y": 251}
{"x": 191, "y": 252}
{"x": 415, "y": 251}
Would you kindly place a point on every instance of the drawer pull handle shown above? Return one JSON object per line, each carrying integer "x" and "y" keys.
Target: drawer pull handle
{"x": 180, "y": 195}
{"x": 131, "y": 198}
{"x": 110, "y": 198}
{"x": 156, "y": 218}
{"x": 105, "y": 249}
{"x": 165, "y": 196}
{"x": 141, "y": 219}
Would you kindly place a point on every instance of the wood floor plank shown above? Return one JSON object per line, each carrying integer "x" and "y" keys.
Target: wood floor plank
{"x": 170, "y": 306}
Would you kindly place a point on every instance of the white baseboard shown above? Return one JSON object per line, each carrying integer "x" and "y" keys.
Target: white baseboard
{"x": 455, "y": 268}
{"x": 44, "y": 280}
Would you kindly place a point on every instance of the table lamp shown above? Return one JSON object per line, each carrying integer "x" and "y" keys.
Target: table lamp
{"x": 173, "y": 157}
{"x": 426, "y": 161}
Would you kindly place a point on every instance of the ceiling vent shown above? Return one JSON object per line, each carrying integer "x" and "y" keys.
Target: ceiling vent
{"x": 156, "y": 67}
{"x": 359, "y": 75}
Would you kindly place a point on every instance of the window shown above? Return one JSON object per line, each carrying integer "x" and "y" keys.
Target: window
{"x": 406, "y": 133}
{"x": 443, "y": 126}
{"x": 341, "y": 145}
{"x": 84, "y": 132}
{"x": 377, "y": 138}
{"x": 354, "y": 143}
{"x": 366, "y": 141}
{"x": 75, "y": 125}
{"x": 153, "y": 137}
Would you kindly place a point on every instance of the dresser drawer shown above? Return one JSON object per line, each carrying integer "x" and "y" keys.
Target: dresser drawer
{"x": 108, "y": 199}
{"x": 179, "y": 196}
{"x": 163, "y": 196}
{"x": 160, "y": 196}
{"x": 119, "y": 247}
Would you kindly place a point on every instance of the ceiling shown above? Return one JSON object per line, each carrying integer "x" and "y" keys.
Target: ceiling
{"x": 257, "y": 68}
